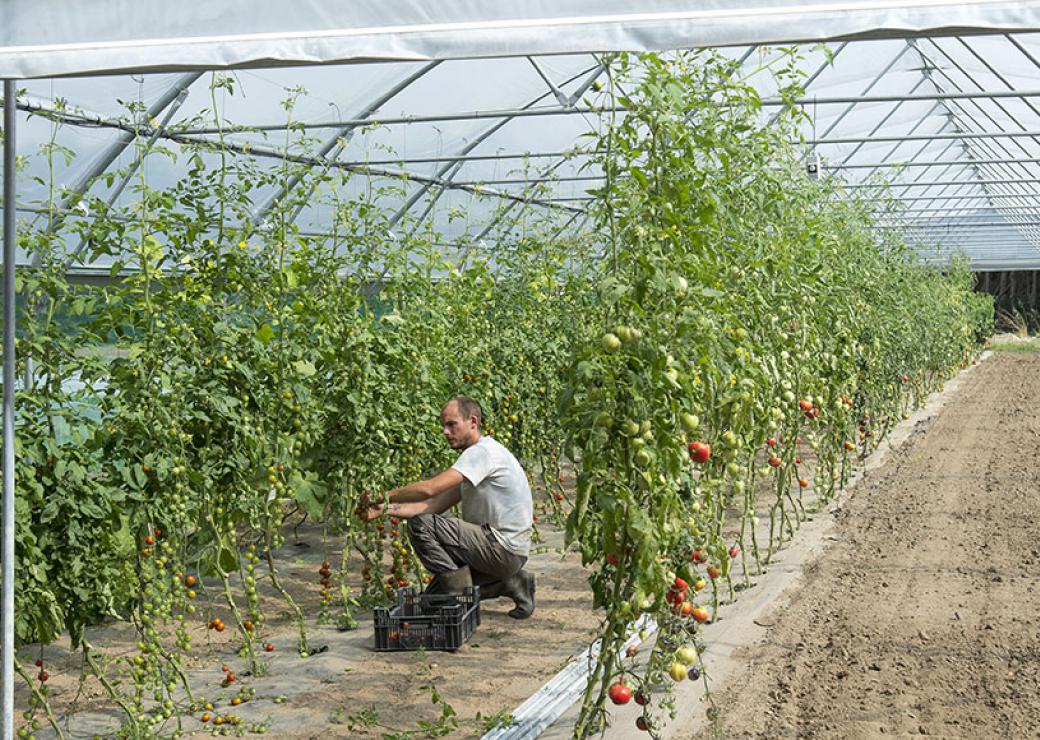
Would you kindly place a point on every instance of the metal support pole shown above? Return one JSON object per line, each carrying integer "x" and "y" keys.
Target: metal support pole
{"x": 7, "y": 547}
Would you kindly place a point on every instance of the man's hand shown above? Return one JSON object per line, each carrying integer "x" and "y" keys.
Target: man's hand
{"x": 365, "y": 509}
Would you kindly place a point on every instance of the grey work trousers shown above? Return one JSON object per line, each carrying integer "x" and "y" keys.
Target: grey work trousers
{"x": 444, "y": 544}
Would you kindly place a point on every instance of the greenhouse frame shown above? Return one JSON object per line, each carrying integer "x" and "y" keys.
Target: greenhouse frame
{"x": 475, "y": 112}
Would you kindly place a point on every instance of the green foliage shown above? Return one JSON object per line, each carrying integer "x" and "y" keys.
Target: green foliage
{"x": 238, "y": 373}
{"x": 734, "y": 287}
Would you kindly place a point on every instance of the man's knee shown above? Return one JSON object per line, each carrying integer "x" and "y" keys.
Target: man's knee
{"x": 420, "y": 524}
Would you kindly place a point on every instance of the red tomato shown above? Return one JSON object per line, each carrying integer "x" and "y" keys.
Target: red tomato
{"x": 700, "y": 452}
{"x": 620, "y": 693}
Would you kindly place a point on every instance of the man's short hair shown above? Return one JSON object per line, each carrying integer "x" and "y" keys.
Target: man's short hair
{"x": 467, "y": 408}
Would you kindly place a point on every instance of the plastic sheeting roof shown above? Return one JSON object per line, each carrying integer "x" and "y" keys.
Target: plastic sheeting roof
{"x": 481, "y": 106}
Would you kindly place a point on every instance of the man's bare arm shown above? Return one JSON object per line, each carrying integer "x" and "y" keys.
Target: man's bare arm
{"x": 436, "y": 504}
{"x": 426, "y": 489}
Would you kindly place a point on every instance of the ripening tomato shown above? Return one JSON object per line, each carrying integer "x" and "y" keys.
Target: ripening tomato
{"x": 687, "y": 655}
{"x": 774, "y": 461}
{"x": 700, "y": 452}
{"x": 620, "y": 693}
{"x": 700, "y": 614}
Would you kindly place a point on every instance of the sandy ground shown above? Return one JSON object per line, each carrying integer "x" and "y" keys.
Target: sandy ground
{"x": 923, "y": 614}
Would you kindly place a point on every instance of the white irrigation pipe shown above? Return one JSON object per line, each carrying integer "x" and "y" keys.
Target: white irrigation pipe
{"x": 554, "y": 698}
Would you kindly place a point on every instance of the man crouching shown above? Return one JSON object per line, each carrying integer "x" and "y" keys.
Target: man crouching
{"x": 489, "y": 545}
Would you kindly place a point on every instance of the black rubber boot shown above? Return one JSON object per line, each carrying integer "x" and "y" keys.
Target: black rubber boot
{"x": 452, "y": 582}
{"x": 520, "y": 588}
{"x": 491, "y": 590}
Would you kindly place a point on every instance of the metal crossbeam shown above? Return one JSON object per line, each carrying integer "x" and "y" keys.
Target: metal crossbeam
{"x": 957, "y": 225}
{"x": 269, "y": 153}
{"x": 938, "y": 183}
{"x": 941, "y": 136}
{"x": 562, "y": 110}
{"x": 876, "y": 165}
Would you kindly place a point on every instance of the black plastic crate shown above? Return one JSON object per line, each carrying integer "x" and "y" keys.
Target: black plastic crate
{"x": 430, "y": 621}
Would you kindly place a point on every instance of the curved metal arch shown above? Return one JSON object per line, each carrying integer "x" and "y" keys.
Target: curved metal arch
{"x": 453, "y": 168}
{"x": 991, "y": 146}
{"x": 340, "y": 140}
{"x": 109, "y": 155}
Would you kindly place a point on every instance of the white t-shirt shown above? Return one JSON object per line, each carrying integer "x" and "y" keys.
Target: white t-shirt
{"x": 495, "y": 492}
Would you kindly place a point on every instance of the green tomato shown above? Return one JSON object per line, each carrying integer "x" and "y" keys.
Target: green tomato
{"x": 689, "y": 422}
{"x": 610, "y": 343}
{"x": 679, "y": 285}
